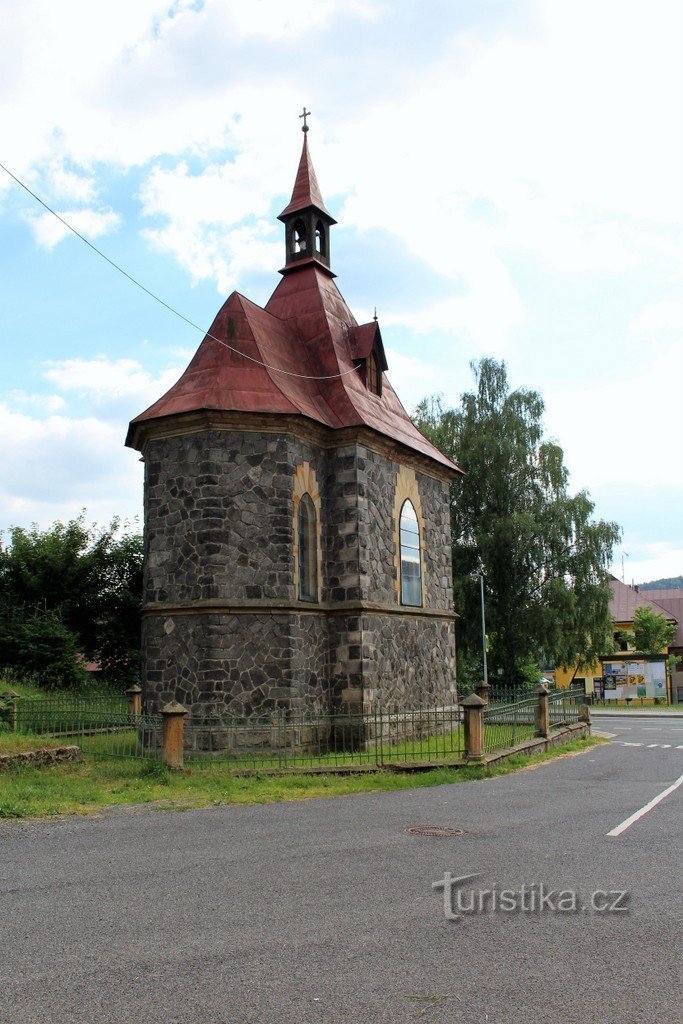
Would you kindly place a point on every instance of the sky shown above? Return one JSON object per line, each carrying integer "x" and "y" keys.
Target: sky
{"x": 508, "y": 180}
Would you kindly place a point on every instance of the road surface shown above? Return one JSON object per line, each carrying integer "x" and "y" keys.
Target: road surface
{"x": 325, "y": 911}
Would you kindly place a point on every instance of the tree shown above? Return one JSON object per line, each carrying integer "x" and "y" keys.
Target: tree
{"x": 68, "y": 593}
{"x": 652, "y": 631}
{"x": 544, "y": 559}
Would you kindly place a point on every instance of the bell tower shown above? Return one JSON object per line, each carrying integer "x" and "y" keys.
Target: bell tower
{"x": 307, "y": 222}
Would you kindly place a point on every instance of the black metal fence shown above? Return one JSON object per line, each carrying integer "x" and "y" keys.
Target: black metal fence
{"x": 506, "y": 725}
{"x": 284, "y": 739}
{"x": 100, "y": 725}
{"x": 105, "y": 727}
{"x": 564, "y": 706}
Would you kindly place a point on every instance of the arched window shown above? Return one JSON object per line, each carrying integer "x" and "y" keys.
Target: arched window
{"x": 307, "y": 544}
{"x": 320, "y": 239}
{"x": 411, "y": 559}
{"x": 299, "y": 236}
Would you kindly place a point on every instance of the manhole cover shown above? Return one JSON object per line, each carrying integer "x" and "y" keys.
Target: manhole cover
{"x": 435, "y": 830}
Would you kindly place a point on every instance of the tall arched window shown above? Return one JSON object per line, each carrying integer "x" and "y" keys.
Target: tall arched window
{"x": 307, "y": 544}
{"x": 411, "y": 564}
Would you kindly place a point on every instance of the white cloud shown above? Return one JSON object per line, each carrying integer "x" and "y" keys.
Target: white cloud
{"x": 623, "y": 430}
{"x": 413, "y": 379}
{"x": 57, "y": 465}
{"x": 651, "y": 561}
{"x": 46, "y": 403}
{"x": 115, "y": 389}
{"x": 48, "y": 231}
{"x": 660, "y": 317}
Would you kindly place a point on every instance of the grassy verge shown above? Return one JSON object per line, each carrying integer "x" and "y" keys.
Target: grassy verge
{"x": 17, "y": 743}
{"x": 92, "y": 786}
{"x": 624, "y": 709}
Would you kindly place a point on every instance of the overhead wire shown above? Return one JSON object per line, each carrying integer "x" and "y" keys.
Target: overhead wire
{"x": 162, "y": 302}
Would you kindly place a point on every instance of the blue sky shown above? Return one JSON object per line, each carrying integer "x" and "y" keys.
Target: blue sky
{"x": 507, "y": 177}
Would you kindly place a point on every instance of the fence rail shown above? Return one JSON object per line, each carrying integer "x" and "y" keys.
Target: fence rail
{"x": 564, "y": 706}
{"x": 111, "y": 727}
{"x": 505, "y": 725}
{"x": 299, "y": 740}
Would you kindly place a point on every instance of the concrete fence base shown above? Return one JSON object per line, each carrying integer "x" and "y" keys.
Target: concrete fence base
{"x": 41, "y": 758}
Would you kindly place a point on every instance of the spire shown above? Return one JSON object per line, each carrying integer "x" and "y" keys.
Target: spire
{"x": 307, "y": 222}
{"x": 306, "y": 190}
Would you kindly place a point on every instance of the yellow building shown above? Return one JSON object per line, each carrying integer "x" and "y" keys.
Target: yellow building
{"x": 625, "y": 675}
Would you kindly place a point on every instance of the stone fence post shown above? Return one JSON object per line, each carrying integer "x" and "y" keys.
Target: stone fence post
{"x": 473, "y": 710}
{"x": 134, "y": 695}
{"x": 173, "y": 717}
{"x": 11, "y": 697}
{"x": 585, "y": 712}
{"x": 543, "y": 711}
{"x": 482, "y": 690}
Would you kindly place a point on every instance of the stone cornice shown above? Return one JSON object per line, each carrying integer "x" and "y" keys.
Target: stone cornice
{"x": 304, "y": 429}
{"x": 267, "y": 607}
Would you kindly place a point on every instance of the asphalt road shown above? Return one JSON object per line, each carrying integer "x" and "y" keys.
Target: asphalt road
{"x": 324, "y": 911}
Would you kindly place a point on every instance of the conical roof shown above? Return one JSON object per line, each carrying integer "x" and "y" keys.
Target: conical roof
{"x": 306, "y": 190}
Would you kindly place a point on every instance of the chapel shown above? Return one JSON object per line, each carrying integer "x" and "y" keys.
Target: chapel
{"x": 296, "y": 522}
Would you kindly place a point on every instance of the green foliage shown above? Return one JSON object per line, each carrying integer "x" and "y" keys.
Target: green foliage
{"x": 669, "y": 583}
{"x": 544, "y": 558}
{"x": 43, "y": 647}
{"x": 652, "y": 632}
{"x": 70, "y": 593}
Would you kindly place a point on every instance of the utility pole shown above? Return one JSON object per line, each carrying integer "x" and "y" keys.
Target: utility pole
{"x": 483, "y": 626}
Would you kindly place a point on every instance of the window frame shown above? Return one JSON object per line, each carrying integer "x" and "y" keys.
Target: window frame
{"x": 404, "y": 546}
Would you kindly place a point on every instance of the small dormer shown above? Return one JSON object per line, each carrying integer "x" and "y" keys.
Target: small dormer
{"x": 367, "y": 351}
{"x": 307, "y": 222}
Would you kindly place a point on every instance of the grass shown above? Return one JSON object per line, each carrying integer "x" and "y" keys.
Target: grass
{"x": 627, "y": 709}
{"x": 447, "y": 746}
{"x": 17, "y": 743}
{"x": 93, "y": 785}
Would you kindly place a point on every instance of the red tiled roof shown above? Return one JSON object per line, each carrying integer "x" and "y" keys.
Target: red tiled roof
{"x": 672, "y": 602}
{"x": 306, "y": 188}
{"x": 625, "y": 600}
{"x": 306, "y": 328}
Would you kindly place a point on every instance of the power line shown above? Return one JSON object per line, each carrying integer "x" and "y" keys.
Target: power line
{"x": 171, "y": 309}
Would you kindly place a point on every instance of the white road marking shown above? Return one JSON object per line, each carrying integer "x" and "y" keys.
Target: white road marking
{"x": 648, "y": 807}
{"x": 653, "y": 745}
{"x": 665, "y": 746}
{"x": 631, "y": 744}
{"x": 680, "y": 746}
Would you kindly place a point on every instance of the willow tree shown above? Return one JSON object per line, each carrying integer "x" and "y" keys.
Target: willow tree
{"x": 543, "y": 556}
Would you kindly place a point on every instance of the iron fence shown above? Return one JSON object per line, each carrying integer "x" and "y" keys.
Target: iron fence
{"x": 283, "y": 739}
{"x": 505, "y": 725}
{"x": 104, "y": 727}
{"x": 64, "y": 714}
{"x": 564, "y": 706}
{"x": 101, "y": 726}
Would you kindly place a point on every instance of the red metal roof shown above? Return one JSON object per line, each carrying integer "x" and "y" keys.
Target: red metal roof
{"x": 298, "y": 356}
{"x": 306, "y": 188}
{"x": 671, "y": 601}
{"x": 306, "y": 328}
{"x": 625, "y": 600}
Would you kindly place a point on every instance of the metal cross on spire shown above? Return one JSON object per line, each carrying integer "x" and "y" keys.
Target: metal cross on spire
{"x": 306, "y": 113}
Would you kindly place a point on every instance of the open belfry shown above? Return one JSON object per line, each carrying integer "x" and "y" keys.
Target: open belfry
{"x": 297, "y": 526}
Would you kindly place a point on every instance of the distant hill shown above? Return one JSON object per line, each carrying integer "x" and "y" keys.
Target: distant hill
{"x": 672, "y": 583}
